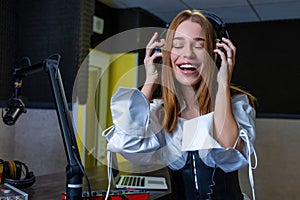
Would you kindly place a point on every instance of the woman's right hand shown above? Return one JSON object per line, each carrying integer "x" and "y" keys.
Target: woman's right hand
{"x": 152, "y": 74}
{"x": 151, "y": 71}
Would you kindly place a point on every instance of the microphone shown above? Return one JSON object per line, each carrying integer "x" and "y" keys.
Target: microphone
{"x": 15, "y": 106}
{"x": 14, "y": 109}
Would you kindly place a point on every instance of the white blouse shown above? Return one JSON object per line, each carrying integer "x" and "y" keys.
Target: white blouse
{"x": 138, "y": 135}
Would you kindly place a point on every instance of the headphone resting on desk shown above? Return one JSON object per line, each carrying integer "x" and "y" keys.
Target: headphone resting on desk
{"x": 12, "y": 173}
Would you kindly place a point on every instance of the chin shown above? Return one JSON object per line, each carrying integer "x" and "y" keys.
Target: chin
{"x": 188, "y": 82}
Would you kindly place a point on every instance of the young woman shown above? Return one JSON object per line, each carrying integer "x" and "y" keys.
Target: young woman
{"x": 202, "y": 128}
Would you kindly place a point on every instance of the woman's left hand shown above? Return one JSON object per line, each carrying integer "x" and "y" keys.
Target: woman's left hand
{"x": 228, "y": 60}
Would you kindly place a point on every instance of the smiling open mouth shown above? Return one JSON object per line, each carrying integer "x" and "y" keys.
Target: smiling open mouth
{"x": 188, "y": 67}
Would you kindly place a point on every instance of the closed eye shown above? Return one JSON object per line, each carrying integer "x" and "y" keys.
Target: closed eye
{"x": 178, "y": 42}
{"x": 178, "y": 46}
{"x": 199, "y": 46}
{"x": 198, "y": 43}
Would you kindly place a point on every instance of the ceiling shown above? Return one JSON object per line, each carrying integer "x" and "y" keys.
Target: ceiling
{"x": 230, "y": 11}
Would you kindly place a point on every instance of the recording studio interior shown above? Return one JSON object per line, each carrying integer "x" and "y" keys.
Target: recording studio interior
{"x": 64, "y": 60}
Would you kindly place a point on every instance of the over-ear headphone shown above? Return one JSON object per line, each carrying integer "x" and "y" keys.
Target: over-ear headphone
{"x": 220, "y": 29}
{"x": 217, "y": 23}
{"x": 13, "y": 174}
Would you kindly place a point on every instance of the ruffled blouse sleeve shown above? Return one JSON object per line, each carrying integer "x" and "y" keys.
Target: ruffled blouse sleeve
{"x": 133, "y": 134}
{"x": 230, "y": 159}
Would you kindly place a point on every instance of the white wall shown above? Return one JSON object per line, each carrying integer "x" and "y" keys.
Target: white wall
{"x": 277, "y": 145}
{"x": 36, "y": 140}
{"x": 6, "y": 141}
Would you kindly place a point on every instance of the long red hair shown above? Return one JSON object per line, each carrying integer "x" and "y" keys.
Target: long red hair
{"x": 204, "y": 92}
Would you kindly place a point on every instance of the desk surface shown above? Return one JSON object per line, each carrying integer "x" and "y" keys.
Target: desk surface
{"x": 51, "y": 186}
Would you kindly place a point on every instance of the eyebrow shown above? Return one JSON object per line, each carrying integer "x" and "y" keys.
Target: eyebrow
{"x": 195, "y": 39}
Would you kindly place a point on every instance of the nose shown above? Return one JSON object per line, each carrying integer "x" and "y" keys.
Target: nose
{"x": 188, "y": 51}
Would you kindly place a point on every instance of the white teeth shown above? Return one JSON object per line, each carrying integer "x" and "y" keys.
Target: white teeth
{"x": 188, "y": 66}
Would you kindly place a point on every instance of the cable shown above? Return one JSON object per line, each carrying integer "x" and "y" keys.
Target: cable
{"x": 85, "y": 176}
{"x": 109, "y": 173}
{"x": 109, "y": 161}
{"x": 212, "y": 184}
{"x": 250, "y": 167}
{"x": 55, "y": 54}
{"x": 28, "y": 61}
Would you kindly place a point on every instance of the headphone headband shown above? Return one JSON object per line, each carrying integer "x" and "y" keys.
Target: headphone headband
{"x": 217, "y": 23}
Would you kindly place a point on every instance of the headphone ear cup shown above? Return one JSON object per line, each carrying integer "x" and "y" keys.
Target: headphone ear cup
{"x": 220, "y": 29}
{"x": 5, "y": 172}
{"x": 9, "y": 169}
{"x": 16, "y": 179}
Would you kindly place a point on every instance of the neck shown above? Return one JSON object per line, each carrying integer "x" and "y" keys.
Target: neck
{"x": 188, "y": 94}
{"x": 192, "y": 108}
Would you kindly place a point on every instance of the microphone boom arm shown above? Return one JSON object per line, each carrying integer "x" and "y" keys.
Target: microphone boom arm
{"x": 74, "y": 173}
